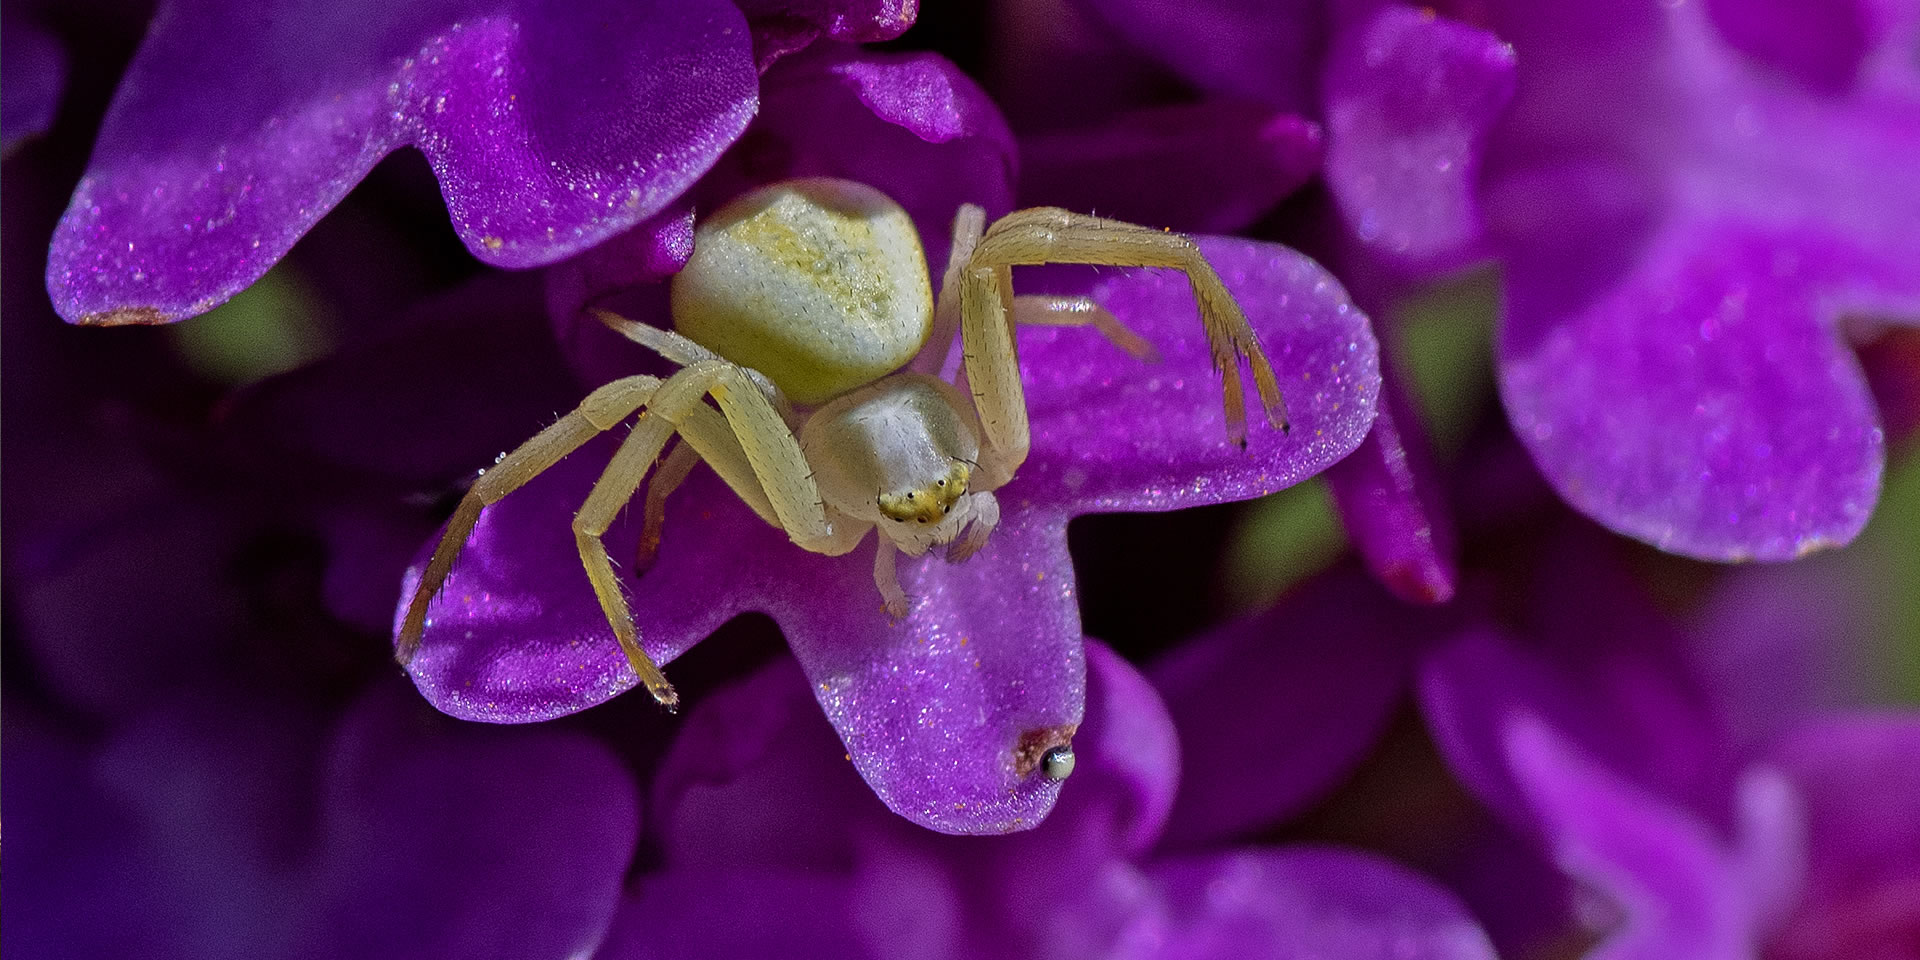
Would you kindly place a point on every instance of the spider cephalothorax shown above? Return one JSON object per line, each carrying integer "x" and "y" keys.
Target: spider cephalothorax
{"x": 801, "y": 305}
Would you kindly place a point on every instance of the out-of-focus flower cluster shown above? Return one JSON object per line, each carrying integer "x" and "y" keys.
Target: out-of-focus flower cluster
{"x": 1574, "y": 615}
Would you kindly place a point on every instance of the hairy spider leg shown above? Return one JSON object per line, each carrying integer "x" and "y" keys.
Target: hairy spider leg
{"x": 600, "y": 411}
{"x": 1041, "y": 310}
{"x": 769, "y": 448}
{"x": 1051, "y": 235}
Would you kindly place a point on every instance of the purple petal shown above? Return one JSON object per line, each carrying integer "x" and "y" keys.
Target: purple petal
{"x": 516, "y": 635}
{"x": 1211, "y": 167}
{"x": 1113, "y": 433}
{"x": 1862, "y": 788}
{"x": 35, "y": 73}
{"x": 208, "y": 168}
{"x": 468, "y": 843}
{"x": 942, "y": 709}
{"x": 1683, "y": 894}
{"x": 1682, "y": 234}
{"x": 1303, "y": 903}
{"x": 933, "y": 708}
{"x": 1388, "y": 502}
{"x": 1264, "y": 50}
{"x": 1410, "y": 98}
{"x": 1275, "y": 710}
{"x": 1706, "y": 405}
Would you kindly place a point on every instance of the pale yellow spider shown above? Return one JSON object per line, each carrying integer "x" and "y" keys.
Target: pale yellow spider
{"x": 800, "y": 306}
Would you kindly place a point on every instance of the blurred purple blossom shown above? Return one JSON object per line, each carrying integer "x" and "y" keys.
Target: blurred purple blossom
{"x": 770, "y": 845}
{"x": 1693, "y": 205}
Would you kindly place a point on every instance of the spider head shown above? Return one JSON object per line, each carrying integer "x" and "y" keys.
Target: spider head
{"x": 927, "y": 505}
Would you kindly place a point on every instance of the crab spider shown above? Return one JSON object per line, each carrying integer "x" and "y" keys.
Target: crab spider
{"x": 806, "y": 314}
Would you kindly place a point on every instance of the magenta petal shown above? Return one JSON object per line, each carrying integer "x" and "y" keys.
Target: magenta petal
{"x": 935, "y": 707}
{"x": 1410, "y": 99}
{"x": 1303, "y": 903}
{"x": 1684, "y": 234}
{"x": 548, "y": 133}
{"x": 1112, "y": 432}
{"x": 517, "y": 636}
{"x": 1212, "y": 167}
{"x": 1705, "y": 404}
{"x": 468, "y": 843}
{"x": 1388, "y": 502}
{"x": 1683, "y": 892}
{"x": 1274, "y": 710}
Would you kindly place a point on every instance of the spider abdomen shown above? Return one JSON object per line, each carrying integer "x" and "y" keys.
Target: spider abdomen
{"x": 819, "y": 284}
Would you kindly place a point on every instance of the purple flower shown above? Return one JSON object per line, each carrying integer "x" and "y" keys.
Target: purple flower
{"x": 1592, "y": 730}
{"x": 1690, "y": 204}
{"x": 769, "y": 844}
{"x": 548, "y": 133}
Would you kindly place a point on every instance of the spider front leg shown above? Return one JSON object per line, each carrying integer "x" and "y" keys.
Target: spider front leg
{"x": 753, "y": 432}
{"x": 600, "y": 411}
{"x": 1050, "y": 235}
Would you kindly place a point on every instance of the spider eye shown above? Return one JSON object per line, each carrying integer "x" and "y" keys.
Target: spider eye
{"x": 1057, "y": 763}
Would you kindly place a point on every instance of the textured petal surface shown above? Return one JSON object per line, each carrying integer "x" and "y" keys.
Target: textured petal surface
{"x": 517, "y": 636}
{"x": 1391, "y": 506}
{"x": 932, "y": 707}
{"x": 1410, "y": 98}
{"x": 1304, "y": 903}
{"x": 1683, "y": 231}
{"x": 937, "y": 708}
{"x": 1114, "y": 433}
{"x": 548, "y": 134}
{"x": 1212, "y": 167}
{"x": 1275, "y": 709}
